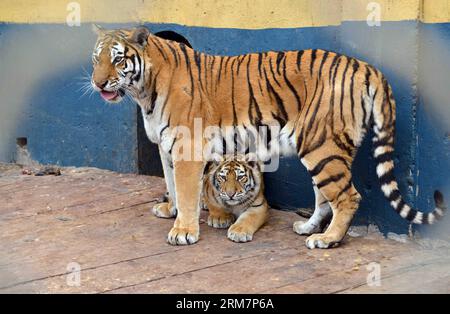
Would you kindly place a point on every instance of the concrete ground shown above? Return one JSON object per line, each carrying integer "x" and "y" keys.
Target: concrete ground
{"x": 91, "y": 231}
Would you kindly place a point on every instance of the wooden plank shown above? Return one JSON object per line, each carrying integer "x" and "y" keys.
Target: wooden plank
{"x": 52, "y": 193}
{"x": 102, "y": 221}
{"x": 290, "y": 270}
{"x": 424, "y": 275}
{"x": 52, "y": 261}
{"x": 140, "y": 251}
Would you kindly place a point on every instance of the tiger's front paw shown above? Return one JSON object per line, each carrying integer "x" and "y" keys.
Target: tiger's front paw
{"x": 164, "y": 210}
{"x": 240, "y": 233}
{"x": 220, "y": 221}
{"x": 321, "y": 241}
{"x": 183, "y": 236}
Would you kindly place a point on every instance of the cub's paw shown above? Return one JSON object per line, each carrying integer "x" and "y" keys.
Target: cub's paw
{"x": 305, "y": 228}
{"x": 239, "y": 233}
{"x": 183, "y": 236}
{"x": 164, "y": 210}
{"x": 220, "y": 221}
{"x": 321, "y": 241}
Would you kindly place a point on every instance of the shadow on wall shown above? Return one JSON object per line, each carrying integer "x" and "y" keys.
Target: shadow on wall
{"x": 44, "y": 70}
{"x": 29, "y": 57}
{"x": 433, "y": 155}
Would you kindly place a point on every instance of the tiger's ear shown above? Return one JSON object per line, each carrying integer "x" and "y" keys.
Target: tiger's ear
{"x": 139, "y": 35}
{"x": 97, "y": 29}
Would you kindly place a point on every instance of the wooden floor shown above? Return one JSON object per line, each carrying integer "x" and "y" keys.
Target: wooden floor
{"x": 101, "y": 221}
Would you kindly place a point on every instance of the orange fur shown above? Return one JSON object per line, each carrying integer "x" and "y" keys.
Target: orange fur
{"x": 323, "y": 102}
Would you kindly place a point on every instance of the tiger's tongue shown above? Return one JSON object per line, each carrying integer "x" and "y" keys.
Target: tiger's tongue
{"x": 108, "y": 95}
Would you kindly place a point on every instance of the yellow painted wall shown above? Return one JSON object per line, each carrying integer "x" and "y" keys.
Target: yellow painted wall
{"x": 244, "y": 14}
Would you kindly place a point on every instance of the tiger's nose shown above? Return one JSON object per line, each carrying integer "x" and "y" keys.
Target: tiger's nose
{"x": 230, "y": 194}
{"x": 101, "y": 85}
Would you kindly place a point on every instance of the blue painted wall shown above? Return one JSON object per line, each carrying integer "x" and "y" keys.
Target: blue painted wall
{"x": 66, "y": 128}
{"x": 433, "y": 121}
{"x": 43, "y": 68}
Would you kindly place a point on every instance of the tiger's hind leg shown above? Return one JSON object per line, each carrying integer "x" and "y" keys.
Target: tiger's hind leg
{"x": 332, "y": 176}
{"x": 321, "y": 216}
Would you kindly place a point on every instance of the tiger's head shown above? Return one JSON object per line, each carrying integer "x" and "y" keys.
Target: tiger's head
{"x": 118, "y": 63}
{"x": 236, "y": 182}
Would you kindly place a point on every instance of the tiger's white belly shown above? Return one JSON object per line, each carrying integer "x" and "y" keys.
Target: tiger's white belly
{"x": 254, "y": 140}
{"x": 280, "y": 145}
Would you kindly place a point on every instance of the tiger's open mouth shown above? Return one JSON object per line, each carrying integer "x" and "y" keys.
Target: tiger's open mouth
{"x": 112, "y": 96}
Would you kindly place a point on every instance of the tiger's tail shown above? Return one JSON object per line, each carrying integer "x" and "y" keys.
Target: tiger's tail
{"x": 383, "y": 114}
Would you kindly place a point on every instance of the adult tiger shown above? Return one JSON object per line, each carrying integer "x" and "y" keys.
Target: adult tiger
{"x": 323, "y": 102}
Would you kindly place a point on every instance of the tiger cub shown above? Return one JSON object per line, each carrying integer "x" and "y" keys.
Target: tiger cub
{"x": 233, "y": 191}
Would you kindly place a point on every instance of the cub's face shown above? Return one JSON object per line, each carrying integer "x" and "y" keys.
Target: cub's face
{"x": 235, "y": 181}
{"x": 117, "y": 62}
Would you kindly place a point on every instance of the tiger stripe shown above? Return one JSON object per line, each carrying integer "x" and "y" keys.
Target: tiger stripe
{"x": 233, "y": 189}
{"x": 323, "y": 102}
